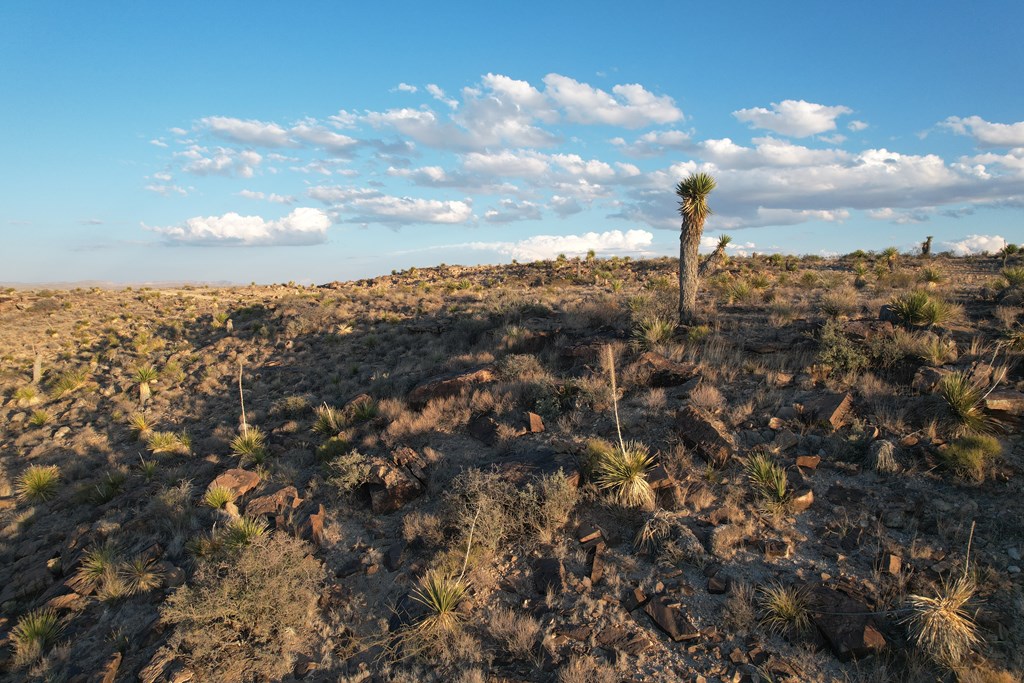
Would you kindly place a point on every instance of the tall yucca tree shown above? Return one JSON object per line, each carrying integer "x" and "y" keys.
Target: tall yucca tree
{"x": 693, "y": 194}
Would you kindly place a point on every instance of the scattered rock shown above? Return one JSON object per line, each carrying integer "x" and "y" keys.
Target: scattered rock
{"x": 393, "y": 558}
{"x": 785, "y": 440}
{"x": 808, "y": 462}
{"x": 111, "y": 668}
{"x": 671, "y": 618}
{"x": 834, "y": 409}
{"x": 534, "y": 423}
{"x": 548, "y": 574}
{"x": 445, "y": 386}
{"x": 666, "y": 373}
{"x": 588, "y": 534}
{"x": 618, "y": 638}
{"x": 274, "y": 504}
{"x": 1006, "y": 401}
{"x": 802, "y": 500}
{"x": 595, "y": 562}
{"x": 316, "y": 525}
{"x": 484, "y": 428}
{"x": 706, "y": 434}
{"x": 846, "y": 625}
{"x": 239, "y": 481}
{"x": 718, "y": 585}
{"x": 393, "y": 483}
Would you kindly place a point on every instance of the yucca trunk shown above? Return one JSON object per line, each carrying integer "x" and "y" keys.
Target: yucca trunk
{"x": 689, "y": 262}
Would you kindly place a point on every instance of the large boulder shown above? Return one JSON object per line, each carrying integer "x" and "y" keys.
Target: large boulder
{"x": 846, "y": 624}
{"x": 238, "y": 481}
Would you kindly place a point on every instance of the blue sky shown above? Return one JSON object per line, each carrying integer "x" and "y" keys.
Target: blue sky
{"x": 315, "y": 141}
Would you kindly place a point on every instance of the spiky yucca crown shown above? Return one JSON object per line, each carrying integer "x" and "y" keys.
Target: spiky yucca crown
{"x": 693, "y": 193}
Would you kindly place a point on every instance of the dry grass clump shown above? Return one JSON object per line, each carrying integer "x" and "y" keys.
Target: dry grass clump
{"x": 943, "y": 626}
{"x": 169, "y": 442}
{"x": 654, "y": 331}
{"x": 250, "y": 445}
{"x": 441, "y": 594}
{"x": 740, "y": 612}
{"x": 516, "y": 632}
{"x": 38, "y": 483}
{"x": 767, "y": 478}
{"x": 586, "y": 669}
{"x": 784, "y": 609}
{"x": 707, "y": 397}
{"x": 246, "y": 620}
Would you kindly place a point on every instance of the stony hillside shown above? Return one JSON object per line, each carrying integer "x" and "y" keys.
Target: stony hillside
{"x": 519, "y": 473}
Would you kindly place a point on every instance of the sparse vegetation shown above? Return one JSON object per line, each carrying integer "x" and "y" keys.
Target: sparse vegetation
{"x": 943, "y": 625}
{"x": 38, "y": 483}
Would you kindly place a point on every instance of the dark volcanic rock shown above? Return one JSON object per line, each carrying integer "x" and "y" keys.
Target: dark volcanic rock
{"x": 671, "y": 618}
{"x": 706, "y": 434}
{"x": 844, "y": 622}
{"x": 445, "y": 386}
{"x": 666, "y": 373}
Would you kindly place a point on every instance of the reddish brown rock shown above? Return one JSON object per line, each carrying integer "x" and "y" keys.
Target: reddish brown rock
{"x": 666, "y": 373}
{"x": 802, "y": 500}
{"x": 239, "y": 481}
{"x": 621, "y": 639}
{"x": 448, "y": 385}
{"x": 671, "y": 617}
{"x": 808, "y": 462}
{"x": 110, "y": 670}
{"x": 588, "y": 534}
{"x": 275, "y": 503}
{"x": 705, "y": 434}
{"x": 595, "y": 562}
{"x": 393, "y": 483}
{"x": 534, "y": 423}
{"x": 833, "y": 409}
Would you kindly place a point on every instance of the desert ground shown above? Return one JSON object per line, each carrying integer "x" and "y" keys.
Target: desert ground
{"x": 520, "y": 473}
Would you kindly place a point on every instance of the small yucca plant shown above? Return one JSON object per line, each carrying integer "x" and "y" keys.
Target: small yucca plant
{"x": 217, "y": 497}
{"x": 943, "y": 626}
{"x": 965, "y": 403}
{"x": 440, "y": 594}
{"x": 69, "y": 382}
{"x": 142, "y": 574}
{"x": 329, "y": 421}
{"x": 40, "y": 418}
{"x": 784, "y": 609}
{"x": 242, "y": 531}
{"x": 38, "y": 483}
{"x": 623, "y": 471}
{"x": 654, "y": 331}
{"x": 97, "y": 563}
{"x": 140, "y": 425}
{"x": 364, "y": 411}
{"x": 27, "y": 395}
{"x": 250, "y": 444}
{"x": 34, "y": 633}
{"x": 147, "y": 467}
{"x": 144, "y": 376}
{"x": 1014, "y": 276}
{"x": 767, "y": 478}
{"x": 921, "y": 309}
{"x": 169, "y": 442}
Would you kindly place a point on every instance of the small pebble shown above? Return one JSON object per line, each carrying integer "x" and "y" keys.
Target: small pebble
{"x": 1014, "y": 554}
{"x": 1013, "y": 569}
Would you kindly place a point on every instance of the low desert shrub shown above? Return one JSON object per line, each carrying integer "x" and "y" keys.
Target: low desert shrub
{"x": 40, "y": 418}
{"x": 654, "y": 331}
{"x": 38, "y": 483}
{"x": 839, "y": 352}
{"x": 329, "y": 421}
{"x": 348, "y": 471}
{"x": 248, "y": 622}
{"x": 69, "y": 382}
{"x": 972, "y": 456}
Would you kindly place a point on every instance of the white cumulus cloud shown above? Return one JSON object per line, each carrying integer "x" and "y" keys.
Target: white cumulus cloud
{"x": 986, "y": 133}
{"x": 303, "y": 226}
{"x": 976, "y": 244}
{"x": 541, "y": 247}
{"x": 630, "y": 106}
{"x": 794, "y": 118}
{"x": 247, "y": 131}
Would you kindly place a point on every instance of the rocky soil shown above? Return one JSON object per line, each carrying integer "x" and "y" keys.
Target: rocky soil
{"x": 450, "y": 422}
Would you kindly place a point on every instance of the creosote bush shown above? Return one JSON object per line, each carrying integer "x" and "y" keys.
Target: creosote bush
{"x": 247, "y": 622}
